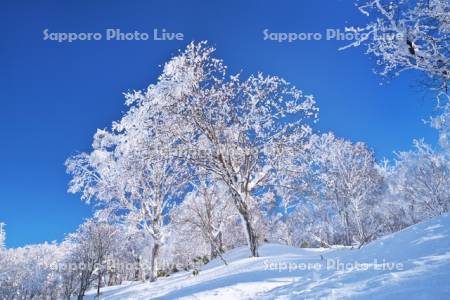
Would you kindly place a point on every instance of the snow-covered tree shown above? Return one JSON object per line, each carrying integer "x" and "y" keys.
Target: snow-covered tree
{"x": 128, "y": 175}
{"x": 312, "y": 224}
{"x": 411, "y": 35}
{"x": 408, "y": 34}
{"x": 421, "y": 178}
{"x": 85, "y": 259}
{"x": 93, "y": 243}
{"x": 235, "y": 130}
{"x": 67, "y": 270}
{"x": 351, "y": 183}
{"x": 442, "y": 123}
{"x": 131, "y": 255}
{"x": 207, "y": 211}
{"x": 28, "y": 273}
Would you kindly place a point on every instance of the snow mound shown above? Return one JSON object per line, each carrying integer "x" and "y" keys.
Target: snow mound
{"x": 411, "y": 264}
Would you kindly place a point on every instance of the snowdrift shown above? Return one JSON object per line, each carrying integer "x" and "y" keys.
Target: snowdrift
{"x": 411, "y": 264}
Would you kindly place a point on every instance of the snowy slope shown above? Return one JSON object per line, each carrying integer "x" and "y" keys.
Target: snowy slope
{"x": 411, "y": 264}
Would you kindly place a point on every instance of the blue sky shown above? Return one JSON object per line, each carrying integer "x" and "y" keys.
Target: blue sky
{"x": 55, "y": 95}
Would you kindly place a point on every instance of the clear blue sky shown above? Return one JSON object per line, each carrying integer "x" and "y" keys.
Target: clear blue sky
{"x": 55, "y": 95}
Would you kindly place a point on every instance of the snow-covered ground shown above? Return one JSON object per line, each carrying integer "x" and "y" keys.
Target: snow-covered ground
{"x": 411, "y": 264}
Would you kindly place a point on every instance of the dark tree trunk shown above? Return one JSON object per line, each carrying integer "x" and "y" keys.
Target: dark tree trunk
{"x": 153, "y": 267}
{"x": 216, "y": 245}
{"x": 99, "y": 281}
{"x": 252, "y": 239}
{"x": 137, "y": 271}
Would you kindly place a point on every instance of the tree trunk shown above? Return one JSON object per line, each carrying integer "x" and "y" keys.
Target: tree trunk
{"x": 83, "y": 285}
{"x": 111, "y": 278}
{"x": 250, "y": 233}
{"x": 153, "y": 269}
{"x": 347, "y": 230}
{"x": 137, "y": 270}
{"x": 80, "y": 296}
{"x": 252, "y": 240}
{"x": 213, "y": 252}
{"x": 216, "y": 245}
{"x": 98, "y": 284}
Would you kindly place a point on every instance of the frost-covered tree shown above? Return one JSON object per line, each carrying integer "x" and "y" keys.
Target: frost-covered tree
{"x": 351, "y": 183}
{"x": 408, "y": 34}
{"x": 313, "y": 224}
{"x": 393, "y": 208}
{"x": 67, "y": 270}
{"x": 183, "y": 244}
{"x": 411, "y": 35}
{"x": 28, "y": 272}
{"x": 207, "y": 211}
{"x": 421, "y": 178}
{"x": 442, "y": 123}
{"x": 85, "y": 259}
{"x": 130, "y": 176}
{"x": 93, "y": 243}
{"x": 131, "y": 256}
{"x": 235, "y": 130}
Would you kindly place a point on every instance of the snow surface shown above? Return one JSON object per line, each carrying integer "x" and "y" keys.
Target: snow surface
{"x": 421, "y": 252}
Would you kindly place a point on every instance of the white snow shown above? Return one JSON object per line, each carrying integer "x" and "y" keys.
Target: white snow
{"x": 422, "y": 251}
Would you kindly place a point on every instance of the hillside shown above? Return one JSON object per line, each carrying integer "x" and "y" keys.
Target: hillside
{"x": 411, "y": 264}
